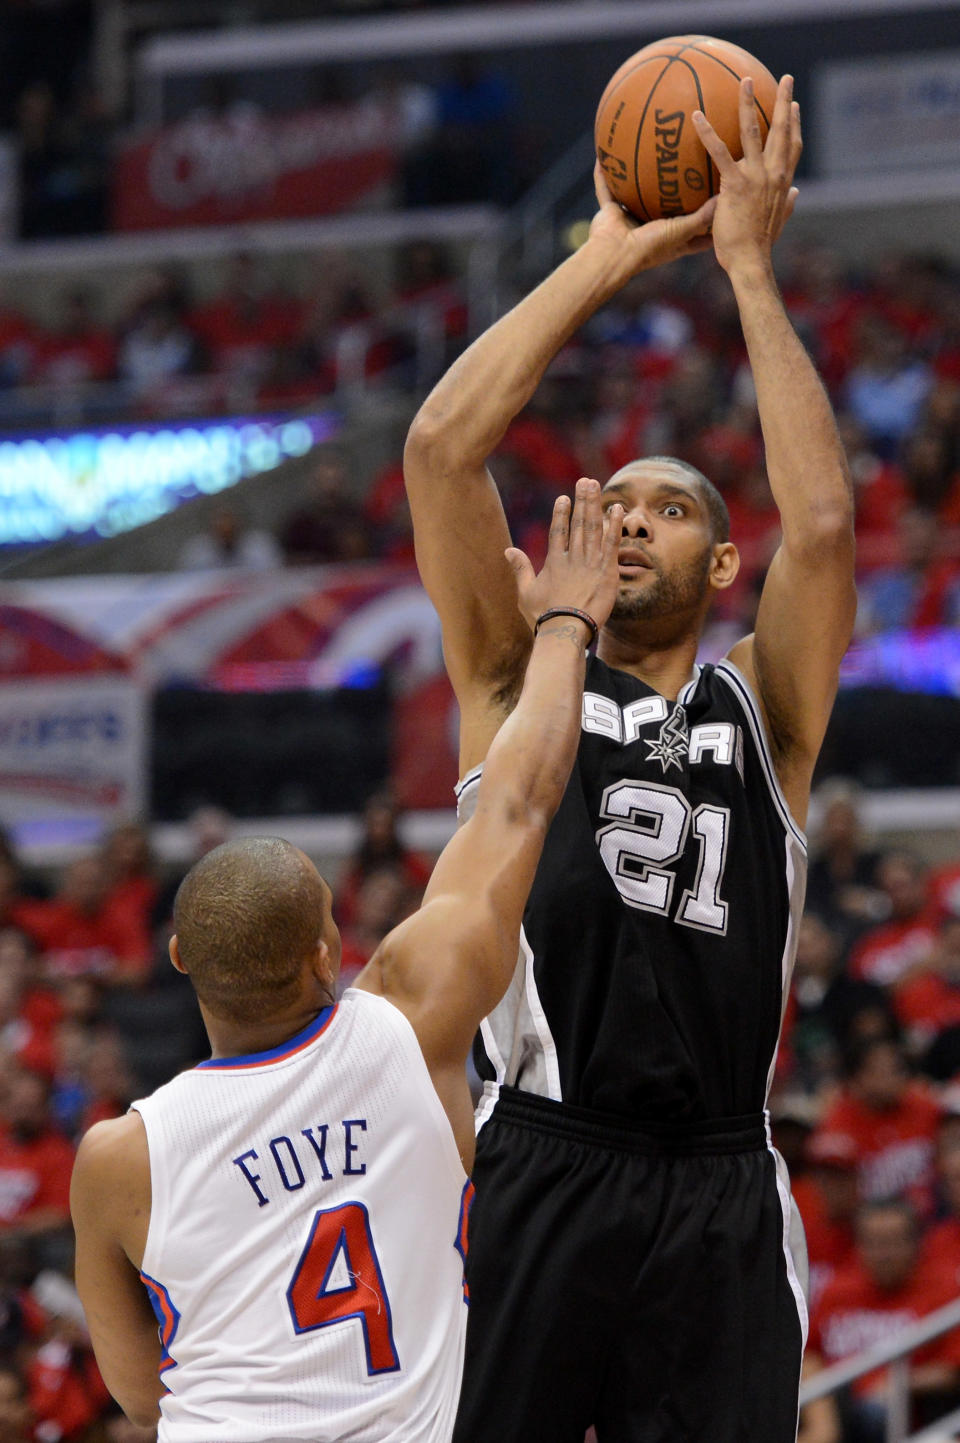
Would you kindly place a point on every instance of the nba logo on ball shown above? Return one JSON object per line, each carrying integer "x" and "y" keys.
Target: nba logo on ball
{"x": 653, "y": 159}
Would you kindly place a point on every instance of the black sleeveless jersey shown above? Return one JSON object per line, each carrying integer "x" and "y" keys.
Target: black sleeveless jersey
{"x": 659, "y": 934}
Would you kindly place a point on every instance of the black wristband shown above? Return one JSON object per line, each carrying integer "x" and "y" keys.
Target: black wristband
{"x": 583, "y": 616}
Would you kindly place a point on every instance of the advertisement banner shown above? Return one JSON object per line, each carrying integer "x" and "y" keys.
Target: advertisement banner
{"x": 89, "y": 484}
{"x": 890, "y": 112}
{"x": 72, "y": 756}
{"x": 246, "y": 166}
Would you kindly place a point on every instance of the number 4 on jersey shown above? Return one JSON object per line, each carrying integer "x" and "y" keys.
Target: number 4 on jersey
{"x": 338, "y": 1278}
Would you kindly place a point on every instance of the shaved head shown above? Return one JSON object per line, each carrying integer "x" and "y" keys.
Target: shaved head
{"x": 715, "y": 505}
{"x": 247, "y": 917}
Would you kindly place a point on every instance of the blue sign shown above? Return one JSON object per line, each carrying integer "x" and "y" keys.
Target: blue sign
{"x": 92, "y": 484}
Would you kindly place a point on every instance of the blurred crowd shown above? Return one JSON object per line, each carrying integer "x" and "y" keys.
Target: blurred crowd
{"x": 253, "y": 345}
{"x": 663, "y": 370}
{"x": 865, "y": 1102}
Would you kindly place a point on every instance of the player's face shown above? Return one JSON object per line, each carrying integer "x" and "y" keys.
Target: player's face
{"x": 666, "y": 551}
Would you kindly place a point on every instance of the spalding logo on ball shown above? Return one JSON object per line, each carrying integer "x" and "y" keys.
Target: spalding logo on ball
{"x": 652, "y": 157}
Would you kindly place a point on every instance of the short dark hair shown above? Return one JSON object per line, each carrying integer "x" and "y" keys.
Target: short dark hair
{"x": 715, "y": 504}
{"x": 246, "y": 916}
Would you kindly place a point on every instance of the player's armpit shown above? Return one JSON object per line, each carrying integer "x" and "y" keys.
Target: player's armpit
{"x": 105, "y": 1195}
{"x": 461, "y": 533}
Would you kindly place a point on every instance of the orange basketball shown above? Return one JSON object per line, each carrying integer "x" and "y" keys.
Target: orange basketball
{"x": 651, "y": 155}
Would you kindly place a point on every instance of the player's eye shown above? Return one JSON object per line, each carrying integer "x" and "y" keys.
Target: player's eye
{"x": 673, "y": 509}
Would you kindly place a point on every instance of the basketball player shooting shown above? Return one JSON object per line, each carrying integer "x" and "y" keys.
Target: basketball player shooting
{"x": 630, "y": 1263}
{"x": 295, "y": 1208}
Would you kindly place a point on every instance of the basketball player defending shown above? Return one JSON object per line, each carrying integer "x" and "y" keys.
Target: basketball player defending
{"x": 294, "y": 1208}
{"x": 630, "y": 1263}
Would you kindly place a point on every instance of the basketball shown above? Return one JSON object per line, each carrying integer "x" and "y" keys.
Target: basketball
{"x": 651, "y": 155}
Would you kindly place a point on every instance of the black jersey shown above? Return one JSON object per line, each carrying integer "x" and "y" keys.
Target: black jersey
{"x": 659, "y": 933}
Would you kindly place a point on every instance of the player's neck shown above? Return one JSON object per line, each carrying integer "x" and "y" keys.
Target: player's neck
{"x": 240, "y": 1039}
{"x": 665, "y": 667}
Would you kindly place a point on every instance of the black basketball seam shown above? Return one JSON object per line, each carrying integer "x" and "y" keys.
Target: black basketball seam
{"x": 648, "y": 60}
{"x": 636, "y": 148}
{"x": 696, "y": 81}
{"x": 730, "y": 71}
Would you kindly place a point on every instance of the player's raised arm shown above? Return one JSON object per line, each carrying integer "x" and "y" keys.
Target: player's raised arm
{"x": 448, "y": 965}
{"x": 806, "y": 613}
{"x": 459, "y": 526}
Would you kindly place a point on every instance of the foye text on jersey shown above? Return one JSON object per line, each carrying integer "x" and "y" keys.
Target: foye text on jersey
{"x": 284, "y": 1164}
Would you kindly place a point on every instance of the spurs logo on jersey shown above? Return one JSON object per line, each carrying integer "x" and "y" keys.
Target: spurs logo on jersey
{"x": 659, "y": 933}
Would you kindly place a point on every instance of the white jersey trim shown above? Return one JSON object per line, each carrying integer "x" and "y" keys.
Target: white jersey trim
{"x": 550, "y": 1059}
{"x": 739, "y": 685}
{"x": 471, "y": 777}
{"x": 786, "y": 1208}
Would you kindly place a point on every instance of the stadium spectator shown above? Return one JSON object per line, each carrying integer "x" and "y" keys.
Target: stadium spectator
{"x": 842, "y": 882}
{"x": 941, "y": 1244}
{"x": 35, "y": 1159}
{"x": 29, "y": 1014}
{"x": 81, "y": 932}
{"x": 158, "y": 349}
{"x": 882, "y": 1291}
{"x": 887, "y": 386}
{"x": 886, "y": 953}
{"x": 228, "y": 545}
{"x": 920, "y": 591}
{"x": 380, "y": 846}
{"x": 889, "y": 1122}
{"x": 131, "y": 872}
{"x": 78, "y": 350}
{"x": 246, "y": 323}
{"x": 110, "y": 1087}
{"x": 330, "y": 524}
{"x": 384, "y": 898}
{"x": 927, "y": 999}
{"x": 827, "y": 1195}
{"x": 829, "y": 1006}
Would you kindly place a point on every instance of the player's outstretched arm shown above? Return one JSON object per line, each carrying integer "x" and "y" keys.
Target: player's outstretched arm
{"x": 448, "y": 965}
{"x": 109, "y": 1204}
{"x": 459, "y": 526}
{"x": 807, "y": 609}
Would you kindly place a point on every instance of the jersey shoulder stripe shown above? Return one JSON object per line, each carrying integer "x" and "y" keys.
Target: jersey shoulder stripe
{"x": 738, "y": 684}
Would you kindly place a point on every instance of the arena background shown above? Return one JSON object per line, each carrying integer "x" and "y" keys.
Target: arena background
{"x": 239, "y": 240}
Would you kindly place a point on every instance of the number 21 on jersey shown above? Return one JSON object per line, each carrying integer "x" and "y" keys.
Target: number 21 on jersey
{"x": 648, "y": 828}
{"x": 338, "y": 1278}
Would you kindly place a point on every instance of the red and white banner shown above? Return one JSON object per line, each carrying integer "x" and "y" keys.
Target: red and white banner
{"x": 245, "y": 166}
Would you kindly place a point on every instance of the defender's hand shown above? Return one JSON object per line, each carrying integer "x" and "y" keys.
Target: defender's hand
{"x": 581, "y": 569}
{"x": 756, "y": 193}
{"x": 639, "y": 247}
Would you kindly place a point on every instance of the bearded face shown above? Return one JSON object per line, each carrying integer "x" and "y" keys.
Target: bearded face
{"x": 672, "y": 592}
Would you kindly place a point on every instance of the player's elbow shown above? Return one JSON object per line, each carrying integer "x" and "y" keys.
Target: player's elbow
{"x": 825, "y": 535}
{"x": 429, "y": 441}
{"x": 142, "y": 1408}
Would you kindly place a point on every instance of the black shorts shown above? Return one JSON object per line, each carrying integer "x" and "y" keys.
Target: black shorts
{"x": 635, "y": 1281}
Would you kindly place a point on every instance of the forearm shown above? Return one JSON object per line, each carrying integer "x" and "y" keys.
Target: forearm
{"x": 806, "y": 464}
{"x": 495, "y": 377}
{"x": 532, "y": 754}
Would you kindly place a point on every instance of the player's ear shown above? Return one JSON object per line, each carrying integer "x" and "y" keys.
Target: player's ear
{"x": 174, "y": 950}
{"x": 322, "y": 966}
{"x": 724, "y": 566}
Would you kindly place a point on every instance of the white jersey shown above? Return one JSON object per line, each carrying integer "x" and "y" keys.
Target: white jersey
{"x": 305, "y": 1249}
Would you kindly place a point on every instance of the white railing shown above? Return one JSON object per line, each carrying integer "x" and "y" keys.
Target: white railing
{"x": 484, "y": 28}
{"x": 894, "y": 1354}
